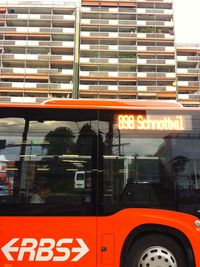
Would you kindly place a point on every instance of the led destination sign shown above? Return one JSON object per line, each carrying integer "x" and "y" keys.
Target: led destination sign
{"x": 151, "y": 122}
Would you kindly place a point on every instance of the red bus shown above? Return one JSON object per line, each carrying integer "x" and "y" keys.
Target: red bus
{"x": 100, "y": 183}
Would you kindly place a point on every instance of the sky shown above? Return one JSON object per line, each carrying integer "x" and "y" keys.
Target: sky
{"x": 187, "y": 21}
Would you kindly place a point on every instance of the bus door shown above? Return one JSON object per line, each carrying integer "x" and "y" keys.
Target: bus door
{"x": 48, "y": 221}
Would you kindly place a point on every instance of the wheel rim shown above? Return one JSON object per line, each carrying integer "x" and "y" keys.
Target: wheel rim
{"x": 157, "y": 257}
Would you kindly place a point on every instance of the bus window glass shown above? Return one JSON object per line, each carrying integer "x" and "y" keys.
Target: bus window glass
{"x": 152, "y": 168}
{"x": 53, "y": 147}
{"x": 11, "y": 130}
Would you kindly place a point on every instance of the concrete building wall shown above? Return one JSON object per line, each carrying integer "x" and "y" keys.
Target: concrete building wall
{"x": 94, "y": 49}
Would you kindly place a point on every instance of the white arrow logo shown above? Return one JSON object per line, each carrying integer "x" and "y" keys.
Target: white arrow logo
{"x": 8, "y": 248}
{"x": 45, "y": 249}
{"x": 83, "y": 249}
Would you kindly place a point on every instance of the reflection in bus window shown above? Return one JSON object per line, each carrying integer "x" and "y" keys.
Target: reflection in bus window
{"x": 51, "y": 150}
{"x": 158, "y": 169}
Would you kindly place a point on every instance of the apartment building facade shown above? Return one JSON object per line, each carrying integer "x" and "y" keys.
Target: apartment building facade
{"x": 188, "y": 74}
{"x": 88, "y": 49}
{"x": 36, "y": 48}
{"x": 127, "y": 49}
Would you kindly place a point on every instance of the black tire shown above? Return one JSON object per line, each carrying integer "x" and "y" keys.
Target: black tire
{"x": 155, "y": 250}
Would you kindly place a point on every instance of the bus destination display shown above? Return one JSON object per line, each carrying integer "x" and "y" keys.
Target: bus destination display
{"x": 151, "y": 122}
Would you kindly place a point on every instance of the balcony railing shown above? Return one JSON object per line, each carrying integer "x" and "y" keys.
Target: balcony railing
{"x": 110, "y": 48}
{"x": 189, "y": 83}
{"x": 107, "y": 22}
{"x": 169, "y": 75}
{"x": 103, "y": 74}
{"x": 187, "y": 71}
{"x": 33, "y": 85}
{"x": 107, "y": 87}
{"x": 84, "y": 60}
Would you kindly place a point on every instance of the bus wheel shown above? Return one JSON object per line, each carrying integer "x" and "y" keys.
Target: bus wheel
{"x": 156, "y": 250}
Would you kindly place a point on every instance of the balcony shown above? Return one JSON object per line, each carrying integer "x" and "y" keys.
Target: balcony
{"x": 188, "y": 71}
{"x": 108, "y": 60}
{"x": 33, "y": 85}
{"x": 156, "y": 88}
{"x": 108, "y": 22}
{"x": 156, "y": 75}
{"x": 188, "y": 58}
{"x": 109, "y": 34}
{"x": 170, "y": 62}
{"x": 156, "y": 48}
{"x": 107, "y": 74}
{"x": 194, "y": 84}
{"x": 164, "y": 36}
{"x": 130, "y": 48}
{"x": 108, "y": 87}
{"x": 150, "y": 11}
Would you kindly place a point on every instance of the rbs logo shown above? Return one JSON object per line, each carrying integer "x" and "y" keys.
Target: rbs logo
{"x": 46, "y": 249}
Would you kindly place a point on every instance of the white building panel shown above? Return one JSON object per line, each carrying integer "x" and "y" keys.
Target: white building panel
{"x": 22, "y": 29}
{"x": 182, "y": 71}
{"x": 113, "y": 74}
{"x": 23, "y": 56}
{"x": 84, "y": 73}
{"x": 113, "y": 10}
{"x": 169, "y": 48}
{"x": 30, "y": 85}
{"x": 16, "y": 99}
{"x": 141, "y": 23}
{"x": 113, "y": 22}
{"x": 181, "y": 58}
{"x": 71, "y": 58}
{"x": 141, "y": 10}
{"x": 141, "y": 74}
{"x": 17, "y": 85}
{"x": 69, "y": 17}
{"x": 24, "y": 70}
{"x": 141, "y": 61}
{"x": 68, "y": 44}
{"x": 141, "y": 35}
{"x": 113, "y": 34}
{"x": 84, "y": 60}
{"x": 141, "y": 48}
{"x": 170, "y": 62}
{"x": 113, "y": 47}
{"x": 84, "y": 46}
{"x": 168, "y": 11}
{"x": 169, "y": 23}
{"x": 113, "y": 60}
{"x": 170, "y": 75}
{"x": 85, "y": 34}
{"x": 68, "y": 72}
{"x": 112, "y": 88}
{"x": 183, "y": 96}
{"x": 171, "y": 88}
{"x": 68, "y": 30}
{"x": 85, "y": 21}
{"x": 66, "y": 86}
{"x": 182, "y": 83}
{"x": 84, "y": 87}
{"x": 85, "y": 9}
{"x": 142, "y": 88}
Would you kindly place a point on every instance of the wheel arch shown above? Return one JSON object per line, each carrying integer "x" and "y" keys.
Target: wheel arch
{"x": 145, "y": 229}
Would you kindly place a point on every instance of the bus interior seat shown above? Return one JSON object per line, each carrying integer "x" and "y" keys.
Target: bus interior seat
{"x": 139, "y": 195}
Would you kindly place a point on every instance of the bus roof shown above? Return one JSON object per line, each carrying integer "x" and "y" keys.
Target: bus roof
{"x": 100, "y": 104}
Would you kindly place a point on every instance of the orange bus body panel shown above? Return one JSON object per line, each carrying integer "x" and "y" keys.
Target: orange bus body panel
{"x": 112, "y": 232}
{"x": 48, "y": 228}
{"x": 123, "y": 222}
